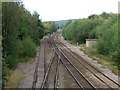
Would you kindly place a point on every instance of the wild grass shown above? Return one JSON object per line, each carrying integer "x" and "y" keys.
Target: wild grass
{"x": 102, "y": 59}
{"x": 14, "y": 79}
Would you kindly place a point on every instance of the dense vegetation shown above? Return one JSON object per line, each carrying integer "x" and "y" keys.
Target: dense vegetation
{"x": 50, "y": 27}
{"x": 21, "y": 34}
{"x": 102, "y": 27}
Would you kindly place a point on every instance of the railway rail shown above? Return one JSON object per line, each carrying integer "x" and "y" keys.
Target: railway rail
{"x": 50, "y": 69}
{"x": 80, "y": 79}
{"x": 75, "y": 66}
{"x": 94, "y": 70}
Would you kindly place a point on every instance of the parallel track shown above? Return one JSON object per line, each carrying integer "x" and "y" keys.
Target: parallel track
{"x": 51, "y": 71}
{"x": 80, "y": 79}
{"x": 89, "y": 67}
{"x": 62, "y": 55}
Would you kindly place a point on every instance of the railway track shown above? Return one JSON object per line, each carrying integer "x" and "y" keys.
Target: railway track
{"x": 50, "y": 73}
{"x": 36, "y": 68}
{"x": 79, "y": 78}
{"x": 95, "y": 71}
{"x": 50, "y": 68}
{"x": 75, "y": 66}
{"x": 51, "y": 80}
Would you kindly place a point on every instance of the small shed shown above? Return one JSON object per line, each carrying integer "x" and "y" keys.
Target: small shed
{"x": 91, "y": 42}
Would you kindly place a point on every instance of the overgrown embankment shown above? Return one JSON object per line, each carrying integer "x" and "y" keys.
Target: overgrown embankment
{"x": 104, "y": 28}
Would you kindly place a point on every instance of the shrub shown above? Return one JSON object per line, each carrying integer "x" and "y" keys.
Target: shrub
{"x": 116, "y": 56}
{"x": 12, "y": 61}
{"x": 29, "y": 48}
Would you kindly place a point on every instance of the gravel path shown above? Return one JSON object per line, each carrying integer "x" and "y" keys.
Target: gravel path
{"x": 28, "y": 68}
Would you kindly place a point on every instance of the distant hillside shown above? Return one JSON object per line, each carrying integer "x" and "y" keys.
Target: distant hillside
{"x": 61, "y": 23}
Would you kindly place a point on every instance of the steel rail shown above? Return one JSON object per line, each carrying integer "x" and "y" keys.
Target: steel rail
{"x": 56, "y": 81}
{"x": 47, "y": 72}
{"x": 36, "y": 68}
{"x": 91, "y": 71}
{"x": 57, "y": 70}
{"x": 88, "y": 64}
{"x": 92, "y": 67}
{"x": 69, "y": 71}
{"x": 75, "y": 67}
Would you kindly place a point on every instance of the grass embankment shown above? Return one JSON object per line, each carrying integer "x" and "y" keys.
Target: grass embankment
{"x": 102, "y": 59}
{"x": 14, "y": 78}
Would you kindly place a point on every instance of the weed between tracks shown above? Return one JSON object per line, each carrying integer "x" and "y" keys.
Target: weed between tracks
{"x": 104, "y": 60}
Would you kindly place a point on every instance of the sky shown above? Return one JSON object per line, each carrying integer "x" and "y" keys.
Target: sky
{"x": 53, "y": 10}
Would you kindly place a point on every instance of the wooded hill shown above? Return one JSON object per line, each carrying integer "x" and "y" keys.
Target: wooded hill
{"x": 60, "y": 23}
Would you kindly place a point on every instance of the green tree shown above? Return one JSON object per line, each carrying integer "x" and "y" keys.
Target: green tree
{"x": 10, "y": 27}
{"x": 21, "y": 32}
{"x": 29, "y": 48}
{"x": 105, "y": 15}
{"x": 36, "y": 31}
{"x": 50, "y": 27}
{"x": 107, "y": 36}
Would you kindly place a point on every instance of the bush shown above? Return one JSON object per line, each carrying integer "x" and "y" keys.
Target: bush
{"x": 29, "y": 48}
{"x": 116, "y": 56}
{"x": 20, "y": 48}
{"x": 12, "y": 61}
{"x": 107, "y": 39}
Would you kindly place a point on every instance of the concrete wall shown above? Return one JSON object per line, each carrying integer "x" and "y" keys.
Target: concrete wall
{"x": 91, "y": 42}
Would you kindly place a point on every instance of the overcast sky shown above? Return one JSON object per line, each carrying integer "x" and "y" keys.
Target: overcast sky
{"x": 70, "y": 9}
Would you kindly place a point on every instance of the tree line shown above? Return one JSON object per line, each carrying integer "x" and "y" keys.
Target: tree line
{"x": 21, "y": 34}
{"x": 103, "y": 27}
